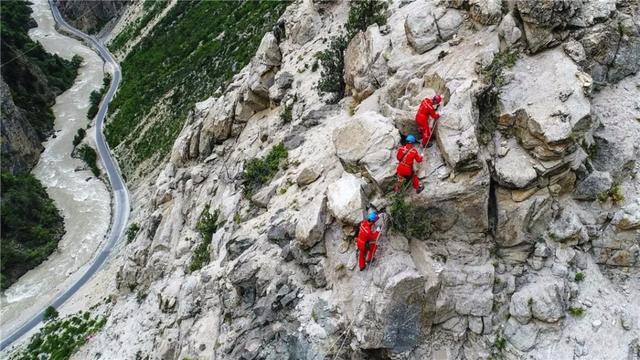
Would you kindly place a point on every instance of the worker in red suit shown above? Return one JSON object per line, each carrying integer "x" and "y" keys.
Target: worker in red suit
{"x": 427, "y": 110}
{"x": 406, "y": 155}
{"x": 367, "y": 240}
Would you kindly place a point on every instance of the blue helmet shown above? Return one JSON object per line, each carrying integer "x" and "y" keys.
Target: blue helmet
{"x": 411, "y": 139}
{"x": 373, "y": 216}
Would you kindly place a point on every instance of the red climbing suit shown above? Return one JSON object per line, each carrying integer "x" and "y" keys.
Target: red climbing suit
{"x": 425, "y": 111}
{"x": 366, "y": 243}
{"x": 406, "y": 155}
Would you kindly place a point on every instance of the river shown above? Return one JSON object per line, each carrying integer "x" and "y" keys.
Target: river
{"x": 83, "y": 200}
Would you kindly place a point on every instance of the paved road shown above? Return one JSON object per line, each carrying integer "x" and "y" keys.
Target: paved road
{"x": 120, "y": 194}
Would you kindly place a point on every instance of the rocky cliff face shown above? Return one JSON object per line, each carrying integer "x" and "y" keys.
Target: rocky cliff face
{"x": 532, "y": 195}
{"x": 91, "y": 16}
{"x": 21, "y": 145}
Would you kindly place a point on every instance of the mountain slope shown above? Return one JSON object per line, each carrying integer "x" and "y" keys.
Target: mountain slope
{"x": 524, "y": 242}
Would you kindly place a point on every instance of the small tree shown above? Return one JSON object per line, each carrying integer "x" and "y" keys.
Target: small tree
{"x": 50, "y": 313}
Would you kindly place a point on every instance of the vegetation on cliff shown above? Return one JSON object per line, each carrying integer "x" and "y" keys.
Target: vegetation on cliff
{"x": 184, "y": 59}
{"x": 34, "y": 76}
{"x": 31, "y": 226}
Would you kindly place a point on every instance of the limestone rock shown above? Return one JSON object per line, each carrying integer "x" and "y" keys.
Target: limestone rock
{"x": 304, "y": 24}
{"x": 628, "y": 218}
{"x": 596, "y": 183}
{"x": 310, "y": 225}
{"x": 345, "y": 199}
{"x": 282, "y": 83}
{"x": 486, "y": 12}
{"x": 365, "y": 64}
{"x": 268, "y": 52}
{"x": 509, "y": 30}
{"x": 545, "y": 300}
{"x": 449, "y": 23}
{"x": 308, "y": 175}
{"x": 541, "y": 18}
{"x": 216, "y": 126}
{"x": 616, "y": 140}
{"x": 514, "y": 170}
{"x": 575, "y": 50}
{"x": 421, "y": 29}
{"x": 522, "y": 337}
{"x": 546, "y": 122}
{"x": 369, "y": 140}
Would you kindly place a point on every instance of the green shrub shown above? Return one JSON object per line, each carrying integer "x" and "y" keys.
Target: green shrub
{"x": 258, "y": 172}
{"x": 362, "y": 13}
{"x": 132, "y": 231}
{"x": 286, "y": 116}
{"x": 500, "y": 343}
{"x": 409, "y": 219}
{"x": 31, "y": 226}
{"x": 579, "y": 276}
{"x": 615, "y": 193}
{"x": 96, "y": 97}
{"x": 576, "y": 311}
{"x": 50, "y": 313}
{"x": 90, "y": 157}
{"x": 79, "y": 136}
{"x": 331, "y": 76}
{"x": 60, "y": 338}
{"x": 494, "y": 72}
{"x": 206, "y": 226}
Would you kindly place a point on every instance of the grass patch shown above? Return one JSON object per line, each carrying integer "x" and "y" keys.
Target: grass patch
{"x": 579, "y": 276}
{"x": 79, "y": 136}
{"x": 258, "y": 172}
{"x": 90, "y": 157}
{"x": 576, "y": 311}
{"x": 195, "y": 49}
{"x": 31, "y": 226}
{"x": 408, "y": 219}
{"x": 494, "y": 72}
{"x": 60, "y": 338}
{"x": 615, "y": 193}
{"x": 206, "y": 226}
{"x": 132, "y": 231}
{"x": 361, "y": 14}
{"x": 151, "y": 9}
{"x": 96, "y": 97}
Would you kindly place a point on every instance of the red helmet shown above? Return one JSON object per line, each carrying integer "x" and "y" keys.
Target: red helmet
{"x": 437, "y": 99}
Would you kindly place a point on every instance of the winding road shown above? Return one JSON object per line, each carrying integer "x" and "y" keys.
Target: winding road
{"x": 120, "y": 211}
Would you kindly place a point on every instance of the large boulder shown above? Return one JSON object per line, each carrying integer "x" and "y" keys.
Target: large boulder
{"x": 368, "y": 141}
{"x": 426, "y": 26}
{"x": 519, "y": 223}
{"x": 546, "y": 299}
{"x": 421, "y": 29}
{"x": 281, "y": 84}
{"x": 515, "y": 169}
{"x": 549, "y": 121}
{"x": 365, "y": 64}
{"x": 310, "y": 225}
{"x": 345, "y": 199}
{"x": 217, "y": 123}
{"x": 509, "y": 30}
